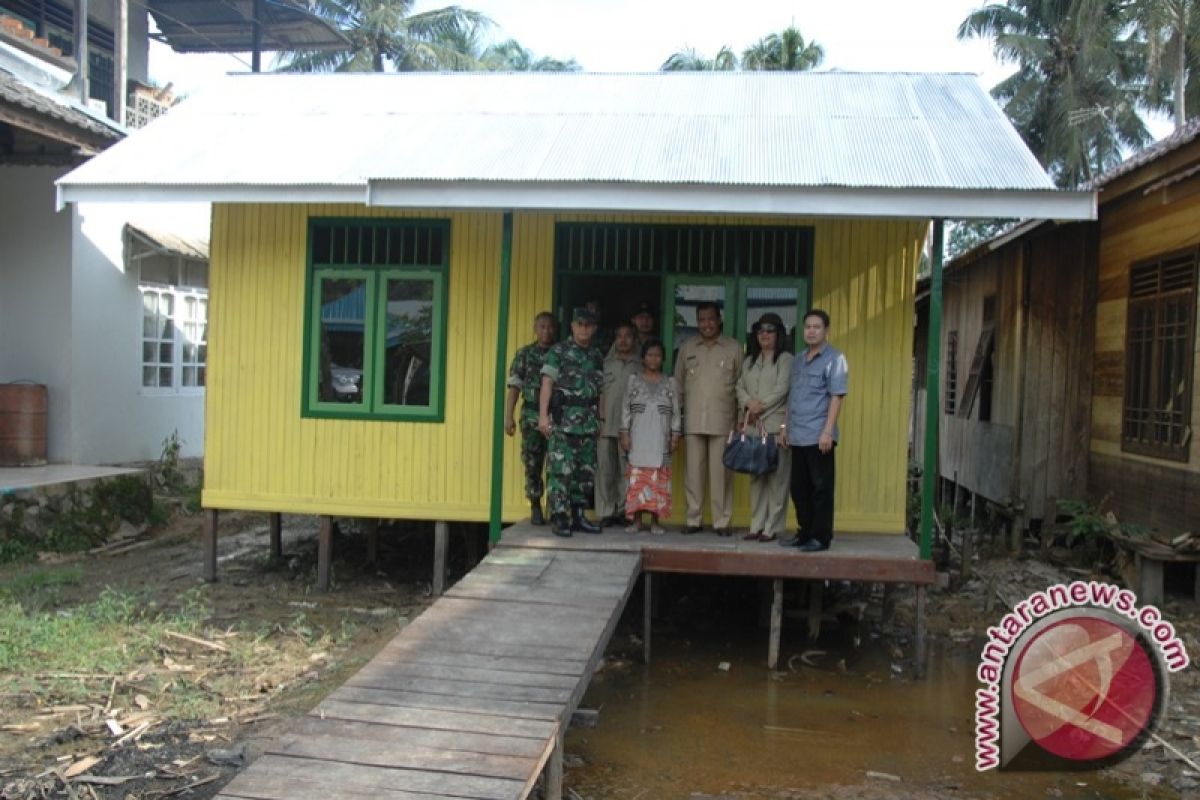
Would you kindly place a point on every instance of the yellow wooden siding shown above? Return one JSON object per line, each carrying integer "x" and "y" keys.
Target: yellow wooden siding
{"x": 1137, "y": 230}
{"x": 260, "y": 453}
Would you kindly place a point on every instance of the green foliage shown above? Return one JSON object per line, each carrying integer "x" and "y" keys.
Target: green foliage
{"x": 968, "y": 234}
{"x": 1079, "y": 80}
{"x": 113, "y": 634}
{"x": 785, "y": 51}
{"x": 1086, "y": 524}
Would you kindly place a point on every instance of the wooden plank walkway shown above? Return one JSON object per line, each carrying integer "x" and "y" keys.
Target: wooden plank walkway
{"x": 471, "y": 699}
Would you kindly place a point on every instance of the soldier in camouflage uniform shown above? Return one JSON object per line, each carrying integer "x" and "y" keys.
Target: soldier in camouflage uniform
{"x": 569, "y": 407}
{"x": 525, "y": 382}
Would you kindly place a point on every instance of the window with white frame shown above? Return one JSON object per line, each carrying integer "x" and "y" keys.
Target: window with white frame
{"x": 174, "y": 323}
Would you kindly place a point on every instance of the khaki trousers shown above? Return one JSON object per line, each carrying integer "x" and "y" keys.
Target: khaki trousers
{"x": 703, "y": 461}
{"x": 611, "y": 483}
{"x": 769, "y": 496}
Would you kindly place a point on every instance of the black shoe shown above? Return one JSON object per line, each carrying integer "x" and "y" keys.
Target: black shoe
{"x": 580, "y": 522}
{"x": 613, "y": 521}
{"x": 723, "y": 532}
{"x": 535, "y": 512}
{"x": 812, "y": 546}
{"x": 794, "y": 541}
{"x": 560, "y": 524}
{"x": 693, "y": 529}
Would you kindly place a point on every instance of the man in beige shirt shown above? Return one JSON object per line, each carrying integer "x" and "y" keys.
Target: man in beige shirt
{"x": 707, "y": 368}
{"x": 624, "y": 360}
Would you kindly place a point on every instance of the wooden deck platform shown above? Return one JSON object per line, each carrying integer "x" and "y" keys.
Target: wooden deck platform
{"x": 471, "y": 699}
{"x": 853, "y": 557}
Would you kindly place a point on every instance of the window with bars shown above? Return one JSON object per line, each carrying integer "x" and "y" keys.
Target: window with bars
{"x": 1159, "y": 343}
{"x": 376, "y": 322}
{"x": 646, "y": 249}
{"x": 55, "y": 21}
{"x": 951, "y": 373}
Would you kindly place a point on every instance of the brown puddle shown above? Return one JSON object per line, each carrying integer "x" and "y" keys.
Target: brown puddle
{"x": 682, "y": 728}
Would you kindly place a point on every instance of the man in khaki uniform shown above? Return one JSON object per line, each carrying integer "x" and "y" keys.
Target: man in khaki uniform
{"x": 623, "y": 361}
{"x": 707, "y": 368}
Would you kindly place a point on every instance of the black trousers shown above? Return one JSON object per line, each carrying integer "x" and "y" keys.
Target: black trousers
{"x": 812, "y": 492}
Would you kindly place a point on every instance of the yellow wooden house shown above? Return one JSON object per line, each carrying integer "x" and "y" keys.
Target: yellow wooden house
{"x": 381, "y": 244}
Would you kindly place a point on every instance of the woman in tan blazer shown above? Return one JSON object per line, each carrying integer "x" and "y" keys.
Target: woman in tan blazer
{"x": 762, "y": 392}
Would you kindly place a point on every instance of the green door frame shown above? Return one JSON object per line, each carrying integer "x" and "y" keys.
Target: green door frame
{"x": 742, "y": 318}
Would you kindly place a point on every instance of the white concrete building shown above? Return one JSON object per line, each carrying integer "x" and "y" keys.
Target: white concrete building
{"x": 104, "y": 304}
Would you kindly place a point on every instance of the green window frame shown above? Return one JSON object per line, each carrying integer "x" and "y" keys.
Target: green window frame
{"x": 383, "y": 285}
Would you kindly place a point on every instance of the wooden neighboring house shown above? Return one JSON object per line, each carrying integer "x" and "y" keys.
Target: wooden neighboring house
{"x": 368, "y": 294}
{"x": 1070, "y": 353}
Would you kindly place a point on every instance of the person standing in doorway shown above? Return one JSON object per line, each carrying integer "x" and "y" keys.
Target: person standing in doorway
{"x": 643, "y": 328}
{"x": 622, "y": 362}
{"x": 707, "y": 368}
{"x": 762, "y": 395}
{"x": 569, "y": 415}
{"x": 525, "y": 383}
{"x": 820, "y": 382}
{"x": 651, "y": 423}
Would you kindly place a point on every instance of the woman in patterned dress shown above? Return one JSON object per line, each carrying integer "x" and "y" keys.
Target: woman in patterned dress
{"x": 651, "y": 425}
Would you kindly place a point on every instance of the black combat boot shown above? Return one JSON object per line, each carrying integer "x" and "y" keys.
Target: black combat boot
{"x": 535, "y": 512}
{"x": 560, "y": 524}
{"x": 580, "y": 522}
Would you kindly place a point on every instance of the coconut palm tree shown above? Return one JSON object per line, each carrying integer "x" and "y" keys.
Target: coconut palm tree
{"x": 511, "y": 56}
{"x": 1170, "y": 32}
{"x": 688, "y": 60}
{"x": 785, "y": 50}
{"x": 1075, "y": 92}
{"x": 387, "y": 34}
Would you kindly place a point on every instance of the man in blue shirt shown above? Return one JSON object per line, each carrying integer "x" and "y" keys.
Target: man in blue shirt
{"x": 820, "y": 381}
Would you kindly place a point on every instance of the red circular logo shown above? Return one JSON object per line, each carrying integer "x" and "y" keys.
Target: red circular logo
{"x": 1084, "y": 688}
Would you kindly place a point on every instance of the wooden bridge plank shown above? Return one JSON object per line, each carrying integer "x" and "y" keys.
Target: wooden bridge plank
{"x": 415, "y": 653}
{"x": 306, "y": 779}
{"x": 515, "y": 709}
{"x": 482, "y": 743}
{"x": 399, "y": 666}
{"x": 412, "y": 716}
{"x": 490, "y": 691}
{"x": 401, "y": 755}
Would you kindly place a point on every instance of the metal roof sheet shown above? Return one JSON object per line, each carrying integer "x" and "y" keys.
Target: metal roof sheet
{"x": 16, "y": 91}
{"x": 227, "y": 26}
{"x": 872, "y": 131}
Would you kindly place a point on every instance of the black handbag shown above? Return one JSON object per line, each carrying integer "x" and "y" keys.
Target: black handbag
{"x": 755, "y": 453}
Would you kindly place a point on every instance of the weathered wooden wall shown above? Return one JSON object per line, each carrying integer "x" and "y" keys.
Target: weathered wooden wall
{"x": 262, "y": 455}
{"x": 1136, "y": 224}
{"x": 1034, "y": 449}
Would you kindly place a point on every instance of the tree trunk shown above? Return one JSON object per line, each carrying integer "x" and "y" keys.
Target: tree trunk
{"x": 1180, "y": 82}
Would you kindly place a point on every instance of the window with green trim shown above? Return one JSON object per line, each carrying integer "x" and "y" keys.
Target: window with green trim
{"x": 375, "y": 331}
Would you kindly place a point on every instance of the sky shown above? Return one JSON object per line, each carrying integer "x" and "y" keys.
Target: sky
{"x": 638, "y": 35}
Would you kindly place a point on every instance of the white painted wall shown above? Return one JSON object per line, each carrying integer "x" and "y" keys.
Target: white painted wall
{"x": 35, "y": 293}
{"x": 112, "y": 418}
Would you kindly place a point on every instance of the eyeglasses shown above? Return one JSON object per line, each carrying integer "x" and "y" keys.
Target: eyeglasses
{"x": 767, "y": 329}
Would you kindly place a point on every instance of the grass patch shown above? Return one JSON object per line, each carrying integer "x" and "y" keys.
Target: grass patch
{"x": 122, "y": 651}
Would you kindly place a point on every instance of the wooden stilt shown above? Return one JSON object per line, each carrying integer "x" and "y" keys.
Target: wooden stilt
{"x": 275, "y": 526}
{"x": 209, "y": 566}
{"x": 441, "y": 535}
{"x": 776, "y": 623}
{"x": 816, "y": 592}
{"x": 554, "y": 770}
{"x": 646, "y": 609}
{"x": 371, "y": 529}
{"x": 1149, "y": 580}
{"x": 919, "y": 655}
{"x": 324, "y": 551}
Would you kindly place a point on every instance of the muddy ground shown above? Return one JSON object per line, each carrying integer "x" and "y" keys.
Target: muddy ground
{"x": 56, "y": 740}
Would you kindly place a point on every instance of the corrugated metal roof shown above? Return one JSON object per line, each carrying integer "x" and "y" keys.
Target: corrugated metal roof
{"x": 14, "y": 90}
{"x": 170, "y": 242}
{"x": 748, "y": 129}
{"x": 1168, "y": 144}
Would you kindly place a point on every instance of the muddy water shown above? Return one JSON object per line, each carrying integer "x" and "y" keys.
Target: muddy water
{"x": 683, "y": 728}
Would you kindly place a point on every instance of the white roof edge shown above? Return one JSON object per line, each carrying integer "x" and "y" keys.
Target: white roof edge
{"x": 67, "y": 192}
{"x": 822, "y": 201}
